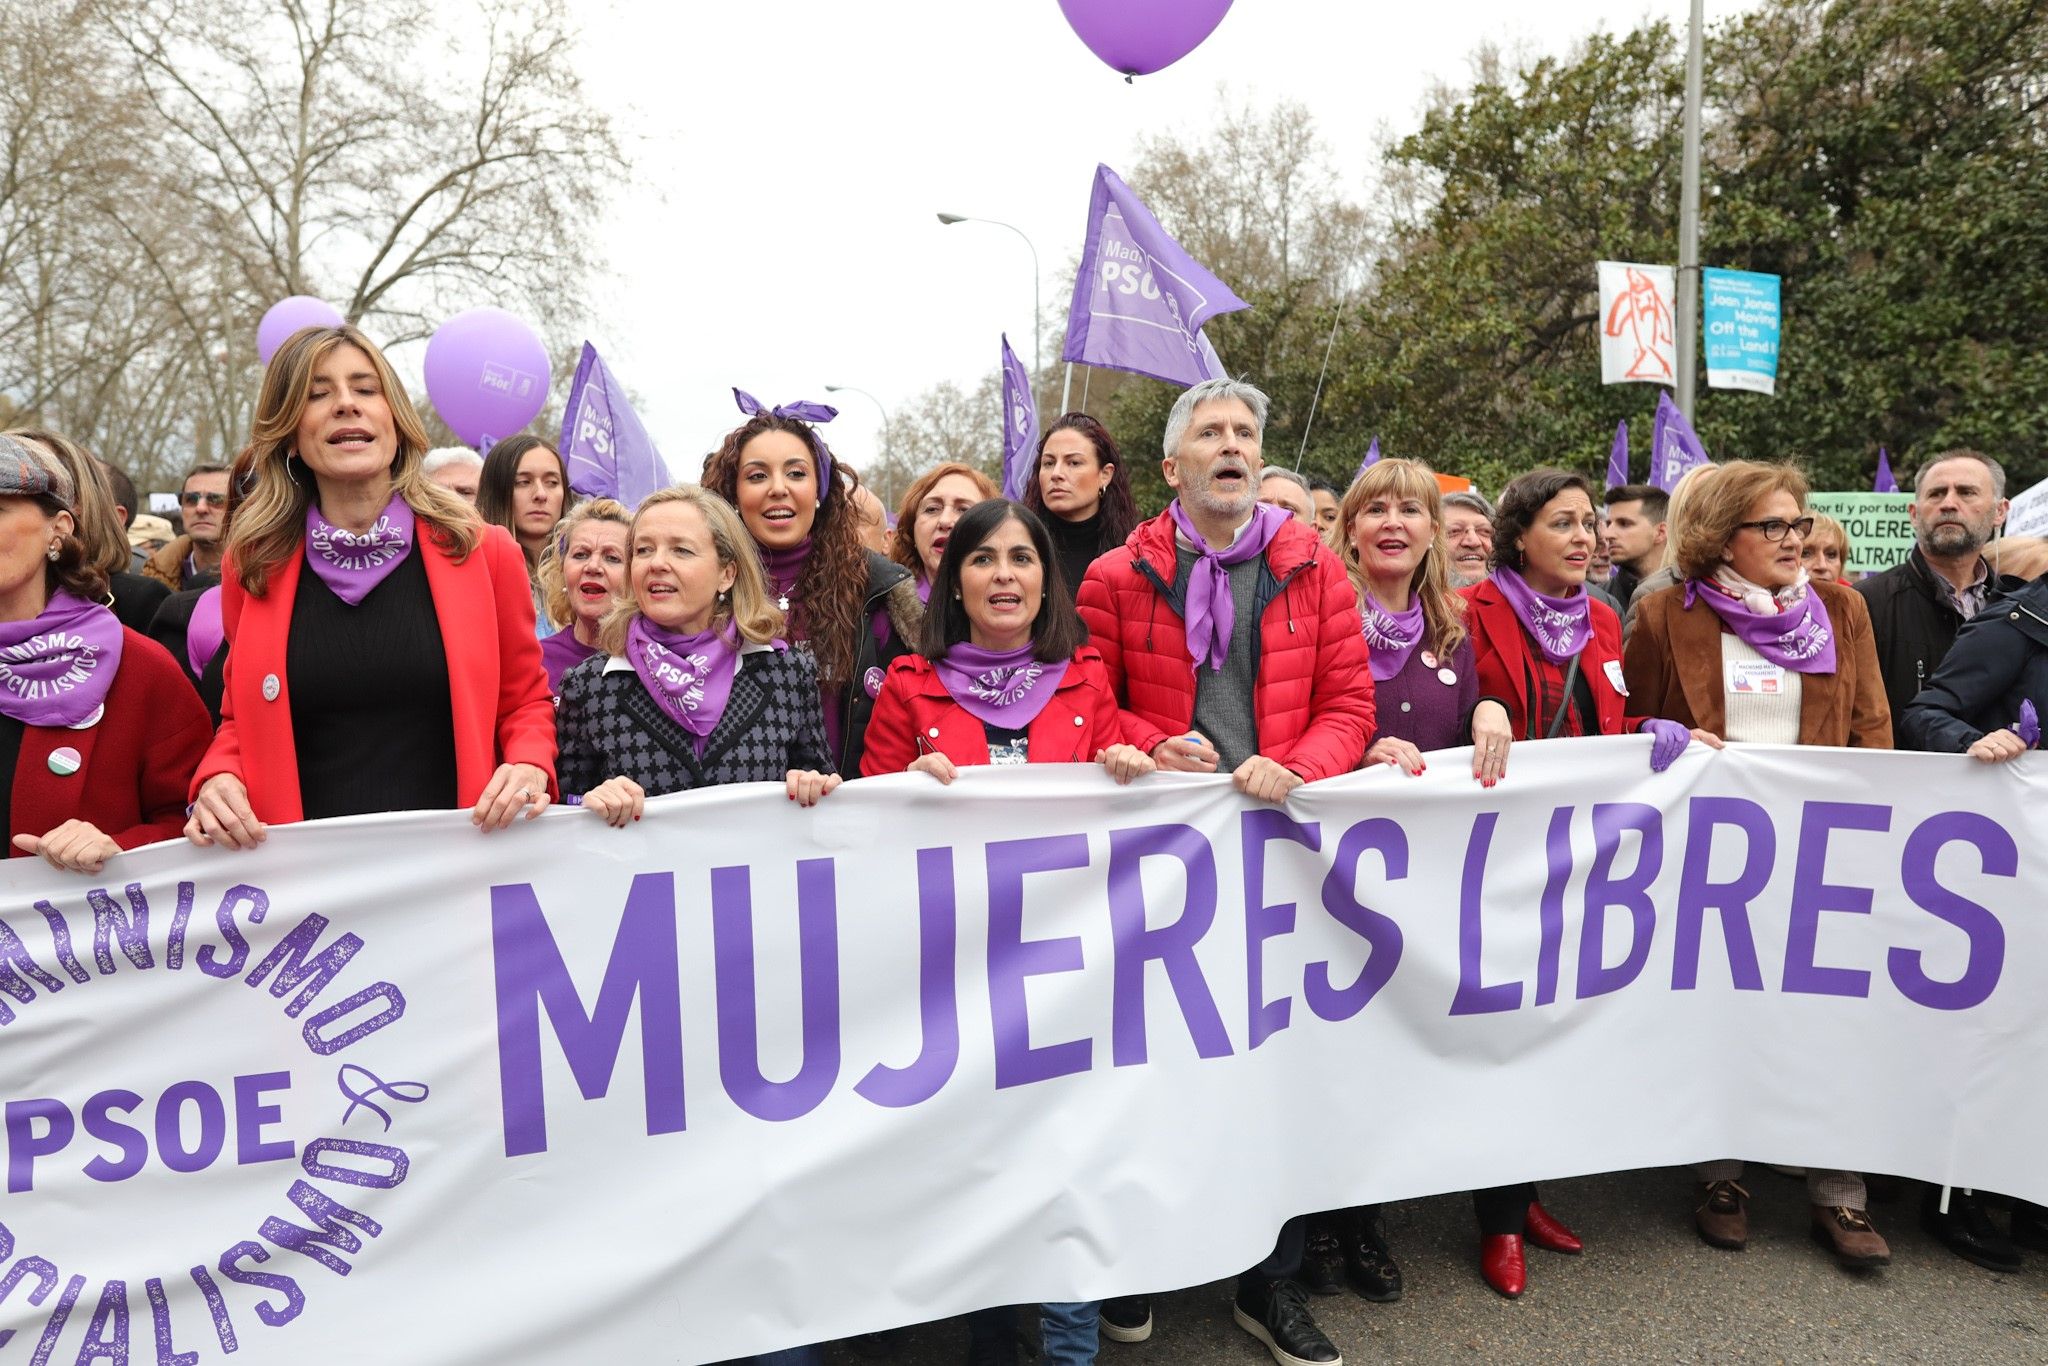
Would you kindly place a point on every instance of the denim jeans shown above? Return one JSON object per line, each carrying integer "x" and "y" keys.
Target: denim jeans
{"x": 1067, "y": 1331}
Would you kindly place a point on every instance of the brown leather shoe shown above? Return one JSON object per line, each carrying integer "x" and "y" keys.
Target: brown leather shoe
{"x": 1847, "y": 1233}
{"x": 1722, "y": 1215}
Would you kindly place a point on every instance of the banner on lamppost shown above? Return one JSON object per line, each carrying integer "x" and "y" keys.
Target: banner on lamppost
{"x": 1741, "y": 315}
{"x": 1638, "y": 340}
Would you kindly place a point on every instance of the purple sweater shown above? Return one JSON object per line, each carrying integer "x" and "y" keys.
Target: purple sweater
{"x": 1423, "y": 707}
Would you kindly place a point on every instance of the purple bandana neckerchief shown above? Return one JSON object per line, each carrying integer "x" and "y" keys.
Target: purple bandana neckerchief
{"x": 1211, "y": 615}
{"x": 55, "y": 668}
{"x": 1389, "y": 636}
{"x": 1797, "y": 636}
{"x": 204, "y": 633}
{"x": 354, "y": 562}
{"x": 1559, "y": 626}
{"x": 1003, "y": 688}
{"x": 689, "y": 676}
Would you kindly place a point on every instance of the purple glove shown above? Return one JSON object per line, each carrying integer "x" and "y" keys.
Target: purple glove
{"x": 2028, "y": 727}
{"x": 1668, "y": 740}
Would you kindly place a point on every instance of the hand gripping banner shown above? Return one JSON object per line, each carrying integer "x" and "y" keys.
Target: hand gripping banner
{"x": 748, "y": 1076}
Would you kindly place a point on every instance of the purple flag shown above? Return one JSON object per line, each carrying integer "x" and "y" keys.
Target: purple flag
{"x": 1674, "y": 446}
{"x": 1885, "y": 483}
{"x": 1372, "y": 457}
{"x": 1212, "y": 364}
{"x": 1617, "y": 457}
{"x": 608, "y": 452}
{"x": 1140, "y": 301}
{"x": 1020, "y": 425}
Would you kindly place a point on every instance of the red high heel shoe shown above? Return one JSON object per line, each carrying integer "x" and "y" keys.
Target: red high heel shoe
{"x": 1500, "y": 1262}
{"x": 1551, "y": 1236}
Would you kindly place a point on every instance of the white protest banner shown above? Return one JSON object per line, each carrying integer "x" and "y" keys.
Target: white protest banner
{"x": 1638, "y": 343}
{"x": 747, "y": 1076}
{"x": 2028, "y": 515}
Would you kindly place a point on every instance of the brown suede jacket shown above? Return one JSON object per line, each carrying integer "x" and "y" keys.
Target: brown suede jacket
{"x": 1673, "y": 666}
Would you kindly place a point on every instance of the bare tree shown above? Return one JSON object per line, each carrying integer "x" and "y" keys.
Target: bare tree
{"x": 173, "y": 167}
{"x": 945, "y": 422}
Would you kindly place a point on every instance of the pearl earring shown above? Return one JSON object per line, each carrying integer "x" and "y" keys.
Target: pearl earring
{"x": 53, "y": 549}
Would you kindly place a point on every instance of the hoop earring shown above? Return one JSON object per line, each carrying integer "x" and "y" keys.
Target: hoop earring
{"x": 289, "y": 472}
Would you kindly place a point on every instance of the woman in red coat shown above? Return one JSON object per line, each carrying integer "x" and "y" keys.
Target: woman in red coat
{"x": 1003, "y": 675}
{"x": 100, "y": 728}
{"x": 381, "y": 645}
{"x": 1551, "y": 655}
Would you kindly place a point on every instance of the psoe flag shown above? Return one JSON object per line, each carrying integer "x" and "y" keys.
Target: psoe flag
{"x": 1674, "y": 446}
{"x": 1638, "y": 341}
{"x": 1140, "y": 300}
{"x": 1740, "y": 311}
{"x": 1020, "y": 425}
{"x": 608, "y": 453}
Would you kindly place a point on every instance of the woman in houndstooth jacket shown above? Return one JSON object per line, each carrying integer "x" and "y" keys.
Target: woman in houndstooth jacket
{"x": 691, "y": 688}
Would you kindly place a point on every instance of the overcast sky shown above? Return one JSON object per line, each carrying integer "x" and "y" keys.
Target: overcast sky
{"x": 779, "y": 232}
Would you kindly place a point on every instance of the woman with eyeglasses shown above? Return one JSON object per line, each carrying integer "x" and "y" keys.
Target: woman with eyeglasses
{"x": 1751, "y": 647}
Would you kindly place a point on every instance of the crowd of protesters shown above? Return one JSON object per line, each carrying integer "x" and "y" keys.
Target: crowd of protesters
{"x": 348, "y": 622}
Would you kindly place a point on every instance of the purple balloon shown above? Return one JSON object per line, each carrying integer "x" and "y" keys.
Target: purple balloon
{"x": 287, "y": 316}
{"x": 1139, "y": 37}
{"x": 487, "y": 374}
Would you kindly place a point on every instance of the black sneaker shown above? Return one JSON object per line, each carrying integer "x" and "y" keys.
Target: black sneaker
{"x": 1368, "y": 1264}
{"x": 1127, "y": 1318}
{"x": 1276, "y": 1313}
{"x": 1322, "y": 1259}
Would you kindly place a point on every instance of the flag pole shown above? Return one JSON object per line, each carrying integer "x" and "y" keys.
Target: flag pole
{"x": 1067, "y": 389}
{"x": 1087, "y": 374}
{"x": 1688, "y": 312}
{"x": 1317, "y": 396}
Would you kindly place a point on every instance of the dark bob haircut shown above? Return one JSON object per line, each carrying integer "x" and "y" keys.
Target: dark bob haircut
{"x": 1521, "y": 500}
{"x": 1057, "y": 632}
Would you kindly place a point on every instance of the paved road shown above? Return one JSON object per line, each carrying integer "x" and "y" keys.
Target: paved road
{"x": 1647, "y": 1290}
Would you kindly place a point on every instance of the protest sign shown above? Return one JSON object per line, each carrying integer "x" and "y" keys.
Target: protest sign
{"x": 1740, "y": 312}
{"x": 2028, "y": 515}
{"x": 1880, "y": 526}
{"x": 747, "y": 1075}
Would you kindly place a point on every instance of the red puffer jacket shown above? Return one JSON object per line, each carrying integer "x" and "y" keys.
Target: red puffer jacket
{"x": 1312, "y": 702}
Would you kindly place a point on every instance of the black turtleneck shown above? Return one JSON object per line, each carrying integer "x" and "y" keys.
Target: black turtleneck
{"x": 1075, "y": 545}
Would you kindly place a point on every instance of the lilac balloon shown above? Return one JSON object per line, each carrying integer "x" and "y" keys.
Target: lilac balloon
{"x": 487, "y": 374}
{"x": 287, "y": 316}
{"x": 1139, "y": 37}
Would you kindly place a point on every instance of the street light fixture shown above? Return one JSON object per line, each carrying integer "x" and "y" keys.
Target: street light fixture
{"x": 855, "y": 389}
{"x": 1037, "y": 344}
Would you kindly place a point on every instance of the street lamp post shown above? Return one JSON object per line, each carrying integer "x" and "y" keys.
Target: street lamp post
{"x": 1037, "y": 344}
{"x": 882, "y": 407}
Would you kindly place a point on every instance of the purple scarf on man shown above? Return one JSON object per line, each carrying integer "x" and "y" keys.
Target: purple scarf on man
{"x": 690, "y": 677}
{"x": 56, "y": 667}
{"x": 1797, "y": 635}
{"x": 1559, "y": 626}
{"x": 1390, "y": 637}
{"x": 1002, "y": 688}
{"x": 1210, "y": 614}
{"x": 354, "y": 562}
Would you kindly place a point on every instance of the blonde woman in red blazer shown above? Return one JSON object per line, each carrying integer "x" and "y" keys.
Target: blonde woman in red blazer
{"x": 381, "y": 647}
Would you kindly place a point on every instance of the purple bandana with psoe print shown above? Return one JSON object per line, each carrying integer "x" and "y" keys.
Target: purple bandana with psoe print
{"x": 1559, "y": 626}
{"x": 1211, "y": 614}
{"x": 1005, "y": 688}
{"x": 1798, "y": 636}
{"x": 1389, "y": 636}
{"x": 56, "y": 667}
{"x": 689, "y": 676}
{"x": 354, "y": 562}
